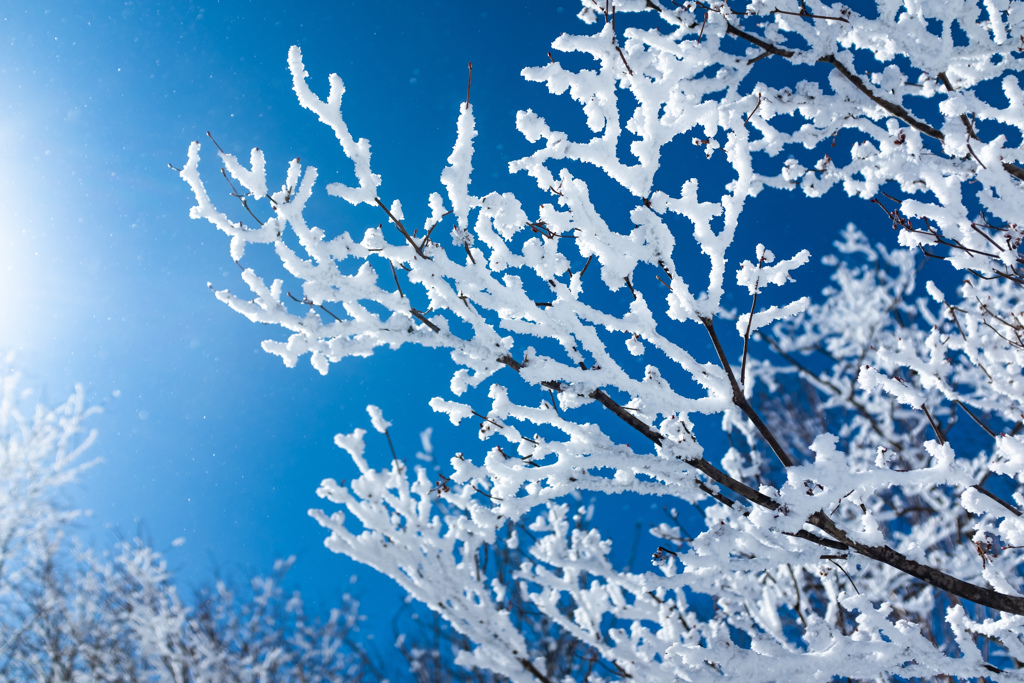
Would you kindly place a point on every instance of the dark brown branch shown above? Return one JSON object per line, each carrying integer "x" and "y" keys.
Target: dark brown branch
{"x": 814, "y": 538}
{"x": 487, "y": 419}
{"x": 935, "y": 427}
{"x": 715, "y": 494}
{"x": 394, "y": 455}
{"x": 974, "y": 226}
{"x": 848, "y": 578}
{"x": 891, "y": 107}
{"x": 975, "y": 418}
{"x": 401, "y": 229}
{"x": 752, "y": 111}
{"x": 796, "y": 587}
{"x": 741, "y": 401}
{"x": 807, "y": 15}
{"x": 627, "y": 417}
{"x": 528, "y": 665}
{"x": 701, "y": 464}
{"x": 1014, "y": 170}
{"x": 423, "y": 319}
{"x": 963, "y": 117}
{"x": 241, "y": 197}
{"x": 894, "y": 109}
{"x": 758, "y": 58}
{"x": 586, "y": 265}
{"x": 309, "y": 303}
{"x": 624, "y": 60}
{"x": 513, "y": 363}
{"x": 397, "y": 283}
{"x": 884, "y": 554}
{"x": 554, "y": 403}
{"x": 426, "y": 238}
{"x": 985, "y": 492}
{"x": 764, "y": 45}
{"x": 216, "y": 144}
{"x": 746, "y": 336}
{"x": 934, "y": 577}
{"x": 968, "y": 591}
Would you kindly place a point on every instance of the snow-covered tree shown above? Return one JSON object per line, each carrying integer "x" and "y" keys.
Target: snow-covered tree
{"x": 68, "y": 613}
{"x": 865, "y": 522}
{"x": 40, "y": 452}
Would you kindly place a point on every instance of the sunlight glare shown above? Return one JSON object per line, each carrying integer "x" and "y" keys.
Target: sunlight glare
{"x": 25, "y": 280}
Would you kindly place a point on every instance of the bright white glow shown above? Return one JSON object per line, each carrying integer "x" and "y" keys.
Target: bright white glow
{"x": 31, "y": 280}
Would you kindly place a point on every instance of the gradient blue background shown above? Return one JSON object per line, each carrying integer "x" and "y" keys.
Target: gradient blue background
{"x": 103, "y": 277}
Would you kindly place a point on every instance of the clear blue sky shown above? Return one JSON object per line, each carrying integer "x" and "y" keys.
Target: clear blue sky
{"x": 104, "y": 276}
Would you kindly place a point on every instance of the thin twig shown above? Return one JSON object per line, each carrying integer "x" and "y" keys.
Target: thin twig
{"x": 397, "y": 283}
{"x": 554, "y": 403}
{"x": 401, "y": 229}
{"x": 307, "y": 302}
{"x": 847, "y": 575}
{"x": 975, "y": 418}
{"x": 796, "y": 587}
{"x": 586, "y": 265}
{"x": 935, "y": 427}
{"x": 426, "y": 237}
{"x": 810, "y": 16}
{"x": 394, "y": 456}
{"x": 756, "y": 107}
{"x": 746, "y": 337}
{"x": 423, "y": 319}
{"x": 741, "y": 401}
{"x": 985, "y": 492}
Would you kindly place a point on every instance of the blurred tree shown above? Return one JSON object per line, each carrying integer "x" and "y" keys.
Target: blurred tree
{"x": 70, "y": 614}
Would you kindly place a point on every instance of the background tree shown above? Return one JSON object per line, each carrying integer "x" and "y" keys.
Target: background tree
{"x": 69, "y": 613}
{"x": 40, "y": 451}
{"x": 871, "y": 540}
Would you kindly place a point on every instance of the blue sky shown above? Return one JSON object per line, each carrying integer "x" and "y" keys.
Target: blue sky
{"x": 104, "y": 276}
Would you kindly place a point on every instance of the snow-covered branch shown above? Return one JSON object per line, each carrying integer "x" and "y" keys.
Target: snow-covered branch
{"x": 850, "y": 529}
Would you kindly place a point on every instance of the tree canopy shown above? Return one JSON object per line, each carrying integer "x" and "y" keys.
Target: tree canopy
{"x": 864, "y": 518}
